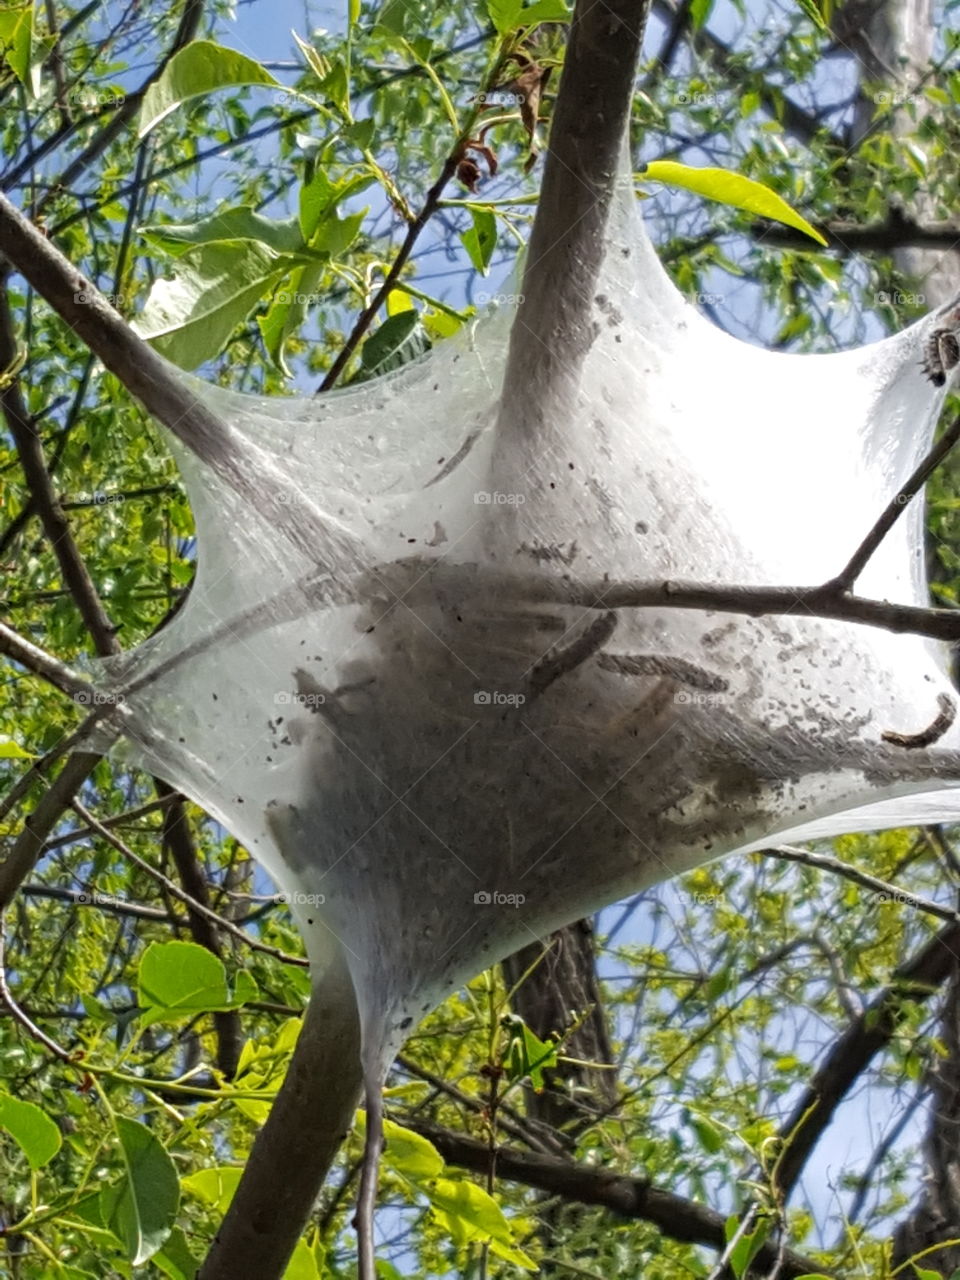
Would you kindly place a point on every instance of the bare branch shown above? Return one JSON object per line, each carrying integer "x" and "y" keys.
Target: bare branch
{"x": 891, "y": 892}
{"x": 853, "y": 1051}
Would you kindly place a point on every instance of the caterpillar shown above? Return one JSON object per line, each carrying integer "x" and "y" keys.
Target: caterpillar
{"x": 927, "y": 737}
{"x": 941, "y": 353}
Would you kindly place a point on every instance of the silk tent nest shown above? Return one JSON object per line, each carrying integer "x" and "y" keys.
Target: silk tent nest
{"x": 441, "y": 727}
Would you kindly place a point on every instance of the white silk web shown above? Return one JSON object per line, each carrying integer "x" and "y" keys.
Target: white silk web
{"x": 437, "y": 735}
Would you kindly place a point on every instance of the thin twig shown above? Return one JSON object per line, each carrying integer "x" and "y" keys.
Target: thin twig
{"x": 31, "y": 1028}
{"x": 897, "y": 505}
{"x": 890, "y": 892}
{"x": 181, "y": 894}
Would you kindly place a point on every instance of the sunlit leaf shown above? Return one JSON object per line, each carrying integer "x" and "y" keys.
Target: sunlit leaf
{"x": 730, "y": 188}
{"x": 178, "y": 980}
{"x": 199, "y": 68}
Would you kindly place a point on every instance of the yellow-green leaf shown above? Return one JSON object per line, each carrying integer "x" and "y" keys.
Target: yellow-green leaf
{"x": 733, "y": 189}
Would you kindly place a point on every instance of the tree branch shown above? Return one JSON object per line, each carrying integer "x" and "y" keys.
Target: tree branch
{"x": 248, "y": 470}
{"x": 897, "y": 232}
{"x": 293, "y": 1151}
{"x": 634, "y": 1198}
{"x": 567, "y": 242}
{"x": 852, "y": 1052}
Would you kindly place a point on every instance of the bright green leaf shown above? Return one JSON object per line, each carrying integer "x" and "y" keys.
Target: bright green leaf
{"x": 812, "y": 10}
{"x": 510, "y": 15}
{"x": 199, "y": 68}
{"x": 31, "y": 1129}
{"x": 409, "y": 1153}
{"x": 141, "y": 1209}
{"x": 733, "y": 189}
{"x": 543, "y": 11}
{"x": 480, "y": 239}
{"x": 180, "y": 979}
{"x": 190, "y": 318}
{"x": 711, "y": 1138}
{"x": 16, "y": 30}
{"x": 504, "y": 14}
{"x": 304, "y": 1264}
{"x": 215, "y": 1187}
{"x": 10, "y": 750}
{"x": 471, "y": 1213}
{"x": 700, "y": 11}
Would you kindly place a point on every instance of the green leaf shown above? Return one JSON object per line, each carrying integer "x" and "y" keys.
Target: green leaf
{"x": 10, "y": 750}
{"x": 812, "y": 10}
{"x": 926, "y": 1273}
{"x": 190, "y": 318}
{"x": 31, "y": 1129}
{"x": 733, "y": 189}
{"x": 199, "y": 68}
{"x": 314, "y": 59}
{"x": 177, "y": 980}
{"x": 141, "y": 1210}
{"x": 409, "y": 1153}
{"x": 305, "y": 1264}
{"x": 23, "y": 51}
{"x": 746, "y": 1248}
{"x": 700, "y": 11}
{"x": 334, "y": 235}
{"x": 503, "y": 14}
{"x": 175, "y": 1259}
{"x": 510, "y": 15}
{"x": 319, "y": 199}
{"x": 480, "y": 240}
{"x": 336, "y": 87}
{"x": 471, "y": 1213}
{"x": 239, "y": 223}
{"x": 388, "y": 339}
{"x": 543, "y": 11}
{"x": 527, "y": 1054}
{"x": 215, "y": 1187}
{"x": 393, "y": 16}
{"x": 711, "y": 1138}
